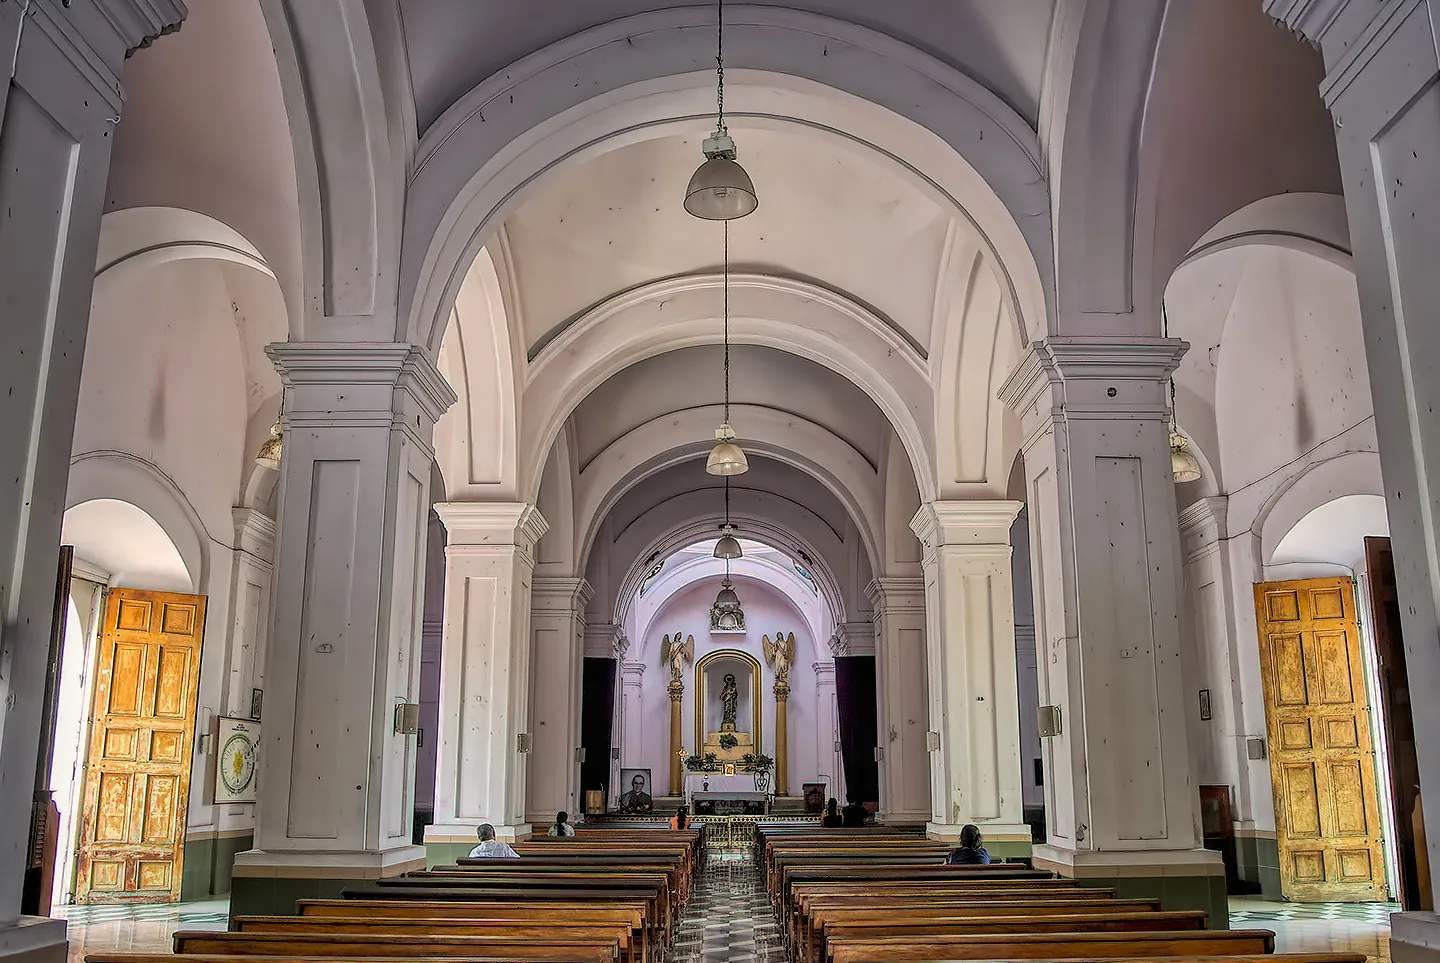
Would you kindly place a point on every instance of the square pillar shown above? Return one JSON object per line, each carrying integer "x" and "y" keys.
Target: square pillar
{"x": 557, "y": 631}
{"x": 970, "y": 656}
{"x": 335, "y": 779}
{"x": 827, "y": 731}
{"x": 631, "y": 730}
{"x": 485, "y": 684}
{"x": 899, "y": 606}
{"x": 1120, "y": 799}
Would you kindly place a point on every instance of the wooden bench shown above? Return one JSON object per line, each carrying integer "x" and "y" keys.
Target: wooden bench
{"x": 389, "y": 946}
{"x": 1050, "y": 946}
{"x": 628, "y": 913}
{"x": 125, "y": 957}
{"x": 526, "y": 929}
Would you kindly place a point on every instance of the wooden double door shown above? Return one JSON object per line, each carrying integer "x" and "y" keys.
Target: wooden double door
{"x": 142, "y": 733}
{"x": 1322, "y": 766}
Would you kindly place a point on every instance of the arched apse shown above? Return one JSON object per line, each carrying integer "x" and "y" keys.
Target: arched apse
{"x": 839, "y": 81}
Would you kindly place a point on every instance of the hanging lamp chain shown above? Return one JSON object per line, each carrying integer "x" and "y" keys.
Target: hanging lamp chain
{"x": 727, "y": 502}
{"x": 725, "y": 315}
{"x": 720, "y": 66}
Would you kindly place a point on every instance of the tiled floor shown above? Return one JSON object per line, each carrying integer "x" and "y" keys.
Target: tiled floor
{"x": 728, "y": 920}
{"x": 140, "y": 929}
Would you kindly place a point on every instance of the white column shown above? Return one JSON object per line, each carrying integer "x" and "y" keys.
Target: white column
{"x": 1383, "y": 64}
{"x": 631, "y": 731}
{"x": 827, "y": 733}
{"x": 1105, "y": 550}
{"x": 901, "y": 694}
{"x": 335, "y": 779}
{"x": 56, "y": 127}
{"x": 557, "y": 631}
{"x": 970, "y": 658}
{"x": 485, "y": 669}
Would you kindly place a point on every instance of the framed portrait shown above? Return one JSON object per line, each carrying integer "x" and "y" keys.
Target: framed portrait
{"x": 635, "y": 791}
{"x": 1205, "y": 705}
{"x": 237, "y": 740}
{"x": 257, "y": 696}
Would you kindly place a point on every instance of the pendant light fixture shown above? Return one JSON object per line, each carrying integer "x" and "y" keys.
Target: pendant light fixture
{"x": 1184, "y": 466}
{"x": 727, "y": 546}
{"x": 720, "y": 190}
{"x": 269, "y": 454}
{"x": 726, "y": 458}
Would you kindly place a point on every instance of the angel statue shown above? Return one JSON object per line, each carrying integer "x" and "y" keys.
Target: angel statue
{"x": 780, "y": 654}
{"x": 678, "y": 653}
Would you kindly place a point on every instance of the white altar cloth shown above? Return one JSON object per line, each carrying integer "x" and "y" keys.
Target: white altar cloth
{"x": 720, "y": 784}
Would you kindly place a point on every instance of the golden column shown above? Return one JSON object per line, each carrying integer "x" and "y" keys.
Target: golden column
{"x": 782, "y": 739}
{"x": 677, "y": 692}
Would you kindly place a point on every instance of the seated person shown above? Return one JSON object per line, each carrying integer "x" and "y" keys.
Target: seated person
{"x": 562, "y": 825}
{"x": 832, "y": 818}
{"x": 490, "y": 847}
{"x": 854, "y": 815}
{"x": 681, "y": 819}
{"x": 971, "y": 851}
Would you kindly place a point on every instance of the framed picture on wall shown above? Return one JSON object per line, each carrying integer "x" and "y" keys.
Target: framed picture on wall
{"x": 257, "y": 696}
{"x": 636, "y": 798}
{"x": 235, "y": 765}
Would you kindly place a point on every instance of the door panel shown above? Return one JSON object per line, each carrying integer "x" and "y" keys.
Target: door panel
{"x": 137, "y": 777}
{"x": 1321, "y": 762}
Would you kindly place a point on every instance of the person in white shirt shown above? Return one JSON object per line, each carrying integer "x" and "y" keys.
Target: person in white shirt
{"x": 562, "y": 825}
{"x": 490, "y": 847}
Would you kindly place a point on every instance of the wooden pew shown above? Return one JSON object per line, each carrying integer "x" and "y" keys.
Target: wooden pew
{"x": 868, "y": 876}
{"x": 514, "y": 875}
{"x": 389, "y": 946}
{"x": 526, "y": 929}
{"x": 1050, "y": 946}
{"x": 558, "y": 956}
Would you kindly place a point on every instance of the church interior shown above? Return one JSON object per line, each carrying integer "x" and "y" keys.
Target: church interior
{"x": 730, "y": 458}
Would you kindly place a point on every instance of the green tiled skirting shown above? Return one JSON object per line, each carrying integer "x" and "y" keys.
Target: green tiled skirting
{"x": 445, "y": 854}
{"x": 1259, "y": 863}
{"x": 1174, "y": 892}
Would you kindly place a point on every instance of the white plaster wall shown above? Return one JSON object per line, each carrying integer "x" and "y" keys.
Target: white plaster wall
{"x": 766, "y": 612}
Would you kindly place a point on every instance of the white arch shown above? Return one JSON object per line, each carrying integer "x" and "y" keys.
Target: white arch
{"x": 682, "y": 436}
{"x": 640, "y": 73}
{"x": 789, "y": 315}
{"x": 700, "y": 568}
{"x": 121, "y": 476}
{"x": 147, "y": 236}
{"x": 1350, "y": 473}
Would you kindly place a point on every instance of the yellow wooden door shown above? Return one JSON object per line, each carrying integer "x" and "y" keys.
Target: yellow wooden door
{"x": 137, "y": 774}
{"x": 1322, "y": 768}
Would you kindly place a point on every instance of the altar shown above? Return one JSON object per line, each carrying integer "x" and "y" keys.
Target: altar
{"x": 718, "y": 789}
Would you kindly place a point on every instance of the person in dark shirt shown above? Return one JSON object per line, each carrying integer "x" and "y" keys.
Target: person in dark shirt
{"x": 854, "y": 815}
{"x": 971, "y": 851}
{"x": 832, "y": 818}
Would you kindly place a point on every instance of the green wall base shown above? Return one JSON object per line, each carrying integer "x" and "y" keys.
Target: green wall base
{"x": 1003, "y": 849}
{"x": 1258, "y": 860}
{"x": 270, "y": 896}
{"x": 208, "y": 864}
{"x": 1174, "y": 892}
{"x": 445, "y": 854}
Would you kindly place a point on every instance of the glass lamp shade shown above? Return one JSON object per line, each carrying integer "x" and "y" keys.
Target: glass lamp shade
{"x": 727, "y": 546}
{"x": 720, "y": 190}
{"x": 1184, "y": 466}
{"x": 726, "y": 458}
{"x": 269, "y": 454}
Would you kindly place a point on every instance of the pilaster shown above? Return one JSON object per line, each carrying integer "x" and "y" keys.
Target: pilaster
{"x": 827, "y": 732}
{"x": 557, "y": 630}
{"x": 485, "y": 684}
{"x": 632, "y": 722}
{"x": 1120, "y": 798}
{"x": 335, "y": 778}
{"x": 970, "y": 660}
{"x": 901, "y": 696}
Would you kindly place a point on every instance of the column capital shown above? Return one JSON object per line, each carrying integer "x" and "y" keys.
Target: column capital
{"x": 676, "y": 690}
{"x": 782, "y": 691}
{"x": 549, "y": 594}
{"x": 317, "y": 374}
{"x": 1203, "y": 525}
{"x": 631, "y": 673}
{"x": 605, "y": 640}
{"x": 984, "y": 521}
{"x": 824, "y": 672}
{"x": 853, "y": 638}
{"x": 1313, "y": 19}
{"x": 1098, "y": 376}
{"x": 254, "y": 533}
{"x": 893, "y": 594}
{"x": 497, "y": 524}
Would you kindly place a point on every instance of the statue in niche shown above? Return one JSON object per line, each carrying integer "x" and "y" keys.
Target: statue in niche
{"x": 730, "y": 700}
{"x": 677, "y": 653}
{"x": 780, "y": 654}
